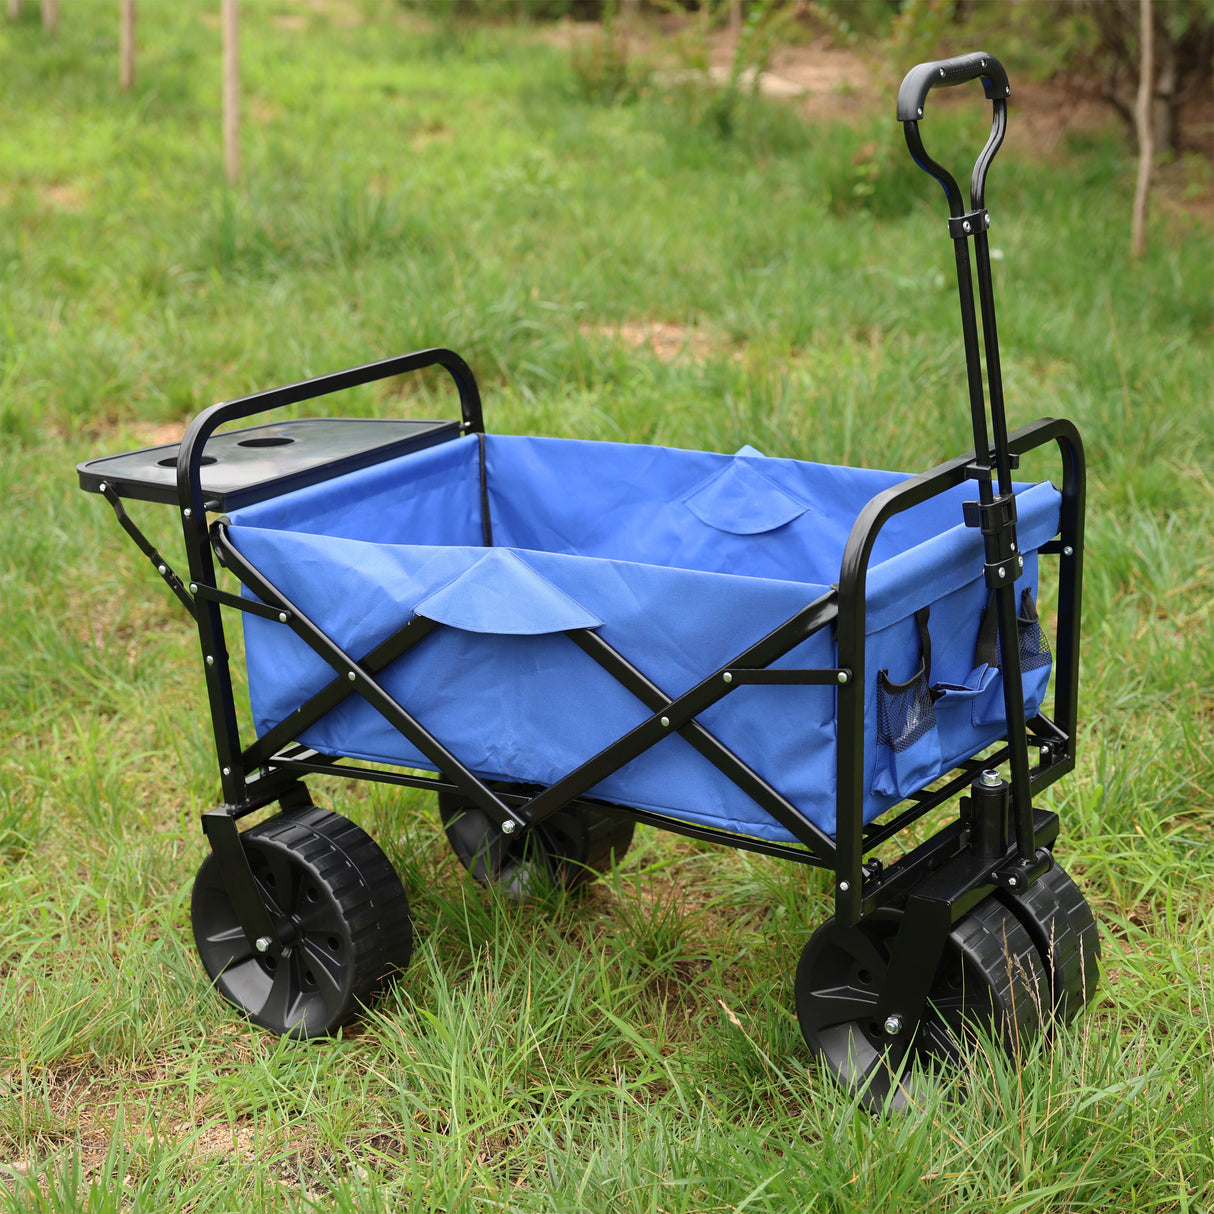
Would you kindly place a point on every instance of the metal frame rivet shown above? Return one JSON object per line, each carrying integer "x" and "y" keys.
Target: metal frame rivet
{"x": 844, "y": 886}
{"x": 665, "y": 722}
{"x": 187, "y": 513}
{"x": 162, "y": 569}
{"x": 282, "y": 617}
{"x": 351, "y": 675}
{"x": 227, "y": 771}
{"x": 210, "y": 660}
{"x": 843, "y": 676}
{"x": 727, "y": 677}
{"x": 101, "y": 488}
{"x": 1068, "y": 551}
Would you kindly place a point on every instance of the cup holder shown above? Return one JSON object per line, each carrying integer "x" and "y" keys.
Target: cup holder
{"x": 267, "y": 440}
{"x": 171, "y": 462}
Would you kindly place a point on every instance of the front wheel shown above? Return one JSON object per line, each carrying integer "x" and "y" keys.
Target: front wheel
{"x": 1061, "y": 924}
{"x": 340, "y": 912}
{"x": 989, "y": 979}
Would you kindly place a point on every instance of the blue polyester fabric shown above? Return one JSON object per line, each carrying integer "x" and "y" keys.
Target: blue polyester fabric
{"x": 678, "y": 559}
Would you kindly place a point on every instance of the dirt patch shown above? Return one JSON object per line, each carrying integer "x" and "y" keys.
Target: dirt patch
{"x": 670, "y": 342}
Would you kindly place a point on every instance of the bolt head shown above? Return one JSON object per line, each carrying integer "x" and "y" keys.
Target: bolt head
{"x": 508, "y": 827}
{"x": 351, "y": 675}
{"x": 843, "y": 676}
{"x": 844, "y": 886}
{"x": 727, "y": 677}
{"x": 893, "y": 1024}
{"x": 665, "y": 722}
{"x": 282, "y": 617}
{"x": 262, "y": 944}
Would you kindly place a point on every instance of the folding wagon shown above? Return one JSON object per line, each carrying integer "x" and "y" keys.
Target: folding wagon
{"x": 562, "y": 638}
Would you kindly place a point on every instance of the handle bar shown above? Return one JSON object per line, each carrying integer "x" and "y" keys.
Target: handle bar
{"x": 189, "y": 456}
{"x": 919, "y": 81}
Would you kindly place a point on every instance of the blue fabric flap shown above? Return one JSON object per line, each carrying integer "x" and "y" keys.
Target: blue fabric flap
{"x": 743, "y": 501}
{"x": 501, "y": 594}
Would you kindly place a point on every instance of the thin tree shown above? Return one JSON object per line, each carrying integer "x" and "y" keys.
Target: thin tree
{"x": 1143, "y": 126}
{"x": 231, "y": 90}
{"x": 126, "y": 45}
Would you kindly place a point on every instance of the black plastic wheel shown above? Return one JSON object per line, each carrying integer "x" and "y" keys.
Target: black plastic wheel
{"x": 1060, "y": 922}
{"x": 569, "y": 849}
{"x": 340, "y": 911}
{"x": 989, "y": 979}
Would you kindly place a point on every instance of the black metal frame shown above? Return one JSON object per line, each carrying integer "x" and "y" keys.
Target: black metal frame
{"x": 998, "y": 839}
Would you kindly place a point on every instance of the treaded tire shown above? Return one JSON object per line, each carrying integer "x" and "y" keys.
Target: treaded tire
{"x": 1061, "y": 924}
{"x": 571, "y": 848}
{"x": 989, "y": 979}
{"x": 340, "y": 909}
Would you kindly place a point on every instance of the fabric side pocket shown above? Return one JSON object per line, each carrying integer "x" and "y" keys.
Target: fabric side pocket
{"x": 908, "y": 743}
{"x": 1036, "y": 662}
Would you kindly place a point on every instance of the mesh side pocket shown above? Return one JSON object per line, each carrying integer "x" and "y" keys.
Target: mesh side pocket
{"x": 905, "y": 712}
{"x": 1034, "y": 644}
{"x": 908, "y": 744}
{"x": 1036, "y": 661}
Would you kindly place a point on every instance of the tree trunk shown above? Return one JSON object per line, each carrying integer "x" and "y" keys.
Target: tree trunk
{"x": 1143, "y": 125}
{"x": 231, "y": 90}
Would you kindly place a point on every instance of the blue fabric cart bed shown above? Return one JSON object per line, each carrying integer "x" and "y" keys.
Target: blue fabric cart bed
{"x": 680, "y": 560}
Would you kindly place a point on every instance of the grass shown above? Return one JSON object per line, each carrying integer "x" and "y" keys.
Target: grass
{"x": 635, "y": 1048}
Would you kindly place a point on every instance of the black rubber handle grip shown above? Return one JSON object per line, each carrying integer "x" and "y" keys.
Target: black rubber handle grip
{"x": 919, "y": 81}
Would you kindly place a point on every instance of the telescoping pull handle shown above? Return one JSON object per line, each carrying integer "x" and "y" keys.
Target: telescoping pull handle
{"x": 995, "y": 511}
{"x": 912, "y": 97}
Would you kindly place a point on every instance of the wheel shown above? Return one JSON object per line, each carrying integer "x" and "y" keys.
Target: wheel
{"x": 569, "y": 849}
{"x": 1060, "y": 922}
{"x": 339, "y": 908}
{"x": 989, "y": 978}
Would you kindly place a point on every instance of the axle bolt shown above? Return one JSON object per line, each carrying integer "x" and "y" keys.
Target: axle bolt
{"x": 893, "y": 1024}
{"x": 262, "y": 944}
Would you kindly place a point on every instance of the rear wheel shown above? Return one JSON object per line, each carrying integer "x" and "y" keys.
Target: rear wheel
{"x": 341, "y": 916}
{"x": 989, "y": 979}
{"x": 572, "y": 847}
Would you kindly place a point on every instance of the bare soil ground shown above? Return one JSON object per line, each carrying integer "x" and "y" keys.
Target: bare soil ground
{"x": 827, "y": 82}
